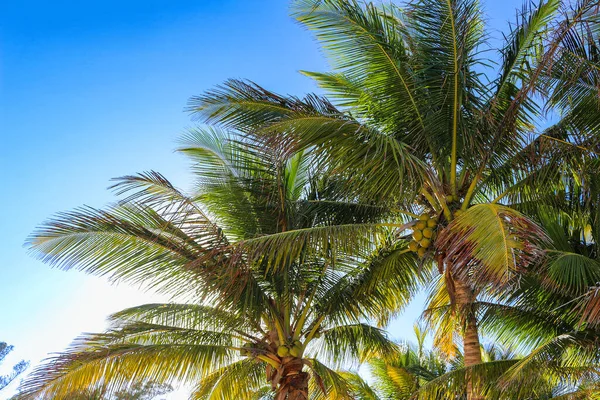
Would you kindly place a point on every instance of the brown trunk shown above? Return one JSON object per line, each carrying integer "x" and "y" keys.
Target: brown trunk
{"x": 293, "y": 382}
{"x": 296, "y": 386}
{"x": 465, "y": 299}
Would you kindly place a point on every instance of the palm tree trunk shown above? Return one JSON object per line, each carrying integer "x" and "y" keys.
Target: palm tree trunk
{"x": 293, "y": 384}
{"x": 297, "y": 387}
{"x": 465, "y": 299}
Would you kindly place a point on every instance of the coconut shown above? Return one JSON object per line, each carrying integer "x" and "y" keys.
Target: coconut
{"x": 283, "y": 351}
{"x": 421, "y": 225}
{"x": 432, "y": 223}
{"x": 428, "y": 233}
{"x": 413, "y": 246}
{"x": 425, "y": 243}
{"x": 422, "y": 251}
{"x": 417, "y": 235}
{"x": 424, "y": 217}
{"x": 295, "y": 351}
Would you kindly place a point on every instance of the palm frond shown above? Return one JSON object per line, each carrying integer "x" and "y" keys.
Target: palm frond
{"x": 361, "y": 342}
{"x": 107, "y": 360}
{"x": 368, "y": 46}
{"x": 491, "y": 243}
{"x": 225, "y": 382}
{"x": 129, "y": 242}
{"x": 327, "y": 384}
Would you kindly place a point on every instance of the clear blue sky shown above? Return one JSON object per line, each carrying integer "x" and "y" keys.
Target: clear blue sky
{"x": 91, "y": 90}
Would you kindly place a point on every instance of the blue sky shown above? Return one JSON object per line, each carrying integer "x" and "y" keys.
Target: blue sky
{"x": 96, "y": 89}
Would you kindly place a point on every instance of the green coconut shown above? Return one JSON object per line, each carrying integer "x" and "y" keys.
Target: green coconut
{"x": 421, "y": 252}
{"x": 283, "y": 351}
{"x": 421, "y": 225}
{"x": 296, "y": 351}
{"x": 432, "y": 223}
{"x": 424, "y": 217}
{"x": 428, "y": 233}
{"x": 417, "y": 235}
{"x": 425, "y": 243}
{"x": 413, "y": 246}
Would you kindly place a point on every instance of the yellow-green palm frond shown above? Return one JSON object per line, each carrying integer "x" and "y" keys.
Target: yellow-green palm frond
{"x": 327, "y": 384}
{"x": 240, "y": 380}
{"x": 370, "y": 46}
{"x": 361, "y": 390}
{"x": 380, "y": 288}
{"x": 113, "y": 361}
{"x": 129, "y": 242}
{"x": 394, "y": 381}
{"x": 491, "y": 243}
{"x": 439, "y": 316}
{"x": 568, "y": 358}
{"x": 335, "y": 139}
{"x": 453, "y": 384}
{"x": 188, "y": 316}
{"x": 343, "y": 344}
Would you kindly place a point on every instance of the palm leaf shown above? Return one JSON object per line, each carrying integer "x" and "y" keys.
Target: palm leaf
{"x": 492, "y": 243}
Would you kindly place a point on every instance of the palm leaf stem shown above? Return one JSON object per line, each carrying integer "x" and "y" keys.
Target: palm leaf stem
{"x": 568, "y": 143}
{"x": 304, "y": 315}
{"x": 430, "y": 199}
{"x": 471, "y": 190}
{"x": 455, "y": 111}
{"x": 314, "y": 329}
{"x": 269, "y": 361}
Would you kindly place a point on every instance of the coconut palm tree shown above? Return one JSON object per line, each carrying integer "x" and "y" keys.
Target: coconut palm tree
{"x": 402, "y": 377}
{"x": 548, "y": 316}
{"x": 417, "y": 128}
{"x": 427, "y": 374}
{"x": 247, "y": 311}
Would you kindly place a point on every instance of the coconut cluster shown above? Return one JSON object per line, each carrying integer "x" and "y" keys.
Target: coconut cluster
{"x": 423, "y": 234}
{"x": 293, "y": 349}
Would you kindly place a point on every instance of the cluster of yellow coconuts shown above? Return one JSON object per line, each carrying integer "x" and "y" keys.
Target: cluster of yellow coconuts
{"x": 293, "y": 349}
{"x": 423, "y": 234}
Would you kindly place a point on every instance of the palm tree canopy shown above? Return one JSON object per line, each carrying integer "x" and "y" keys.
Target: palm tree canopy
{"x": 416, "y": 125}
{"x": 302, "y": 219}
{"x": 254, "y": 306}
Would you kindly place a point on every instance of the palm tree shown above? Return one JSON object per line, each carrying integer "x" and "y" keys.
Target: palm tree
{"x": 17, "y": 369}
{"x": 248, "y": 311}
{"x": 419, "y": 130}
{"x": 550, "y": 316}
{"x": 427, "y": 374}
{"x": 402, "y": 377}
